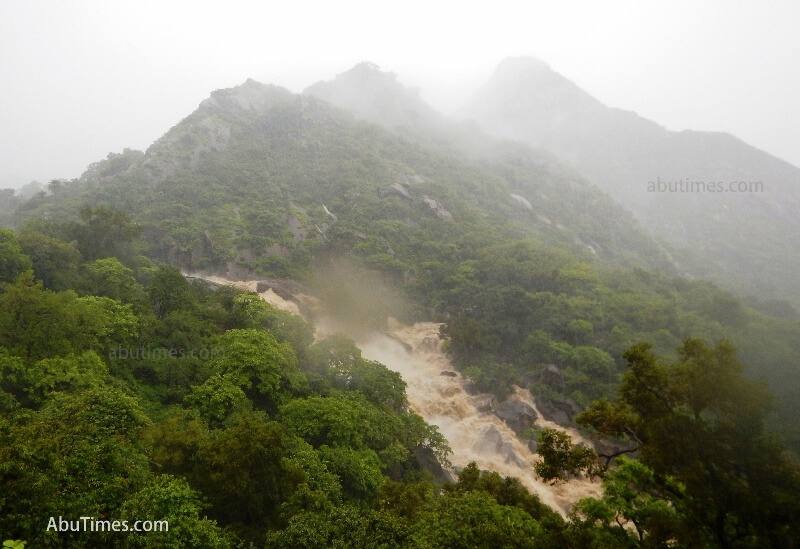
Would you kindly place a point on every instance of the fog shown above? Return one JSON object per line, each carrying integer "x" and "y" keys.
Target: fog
{"x": 81, "y": 79}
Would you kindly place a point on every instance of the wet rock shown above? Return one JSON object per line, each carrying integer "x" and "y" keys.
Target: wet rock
{"x": 553, "y": 376}
{"x": 396, "y": 189}
{"x": 490, "y": 440}
{"x": 560, "y": 410}
{"x": 295, "y": 226}
{"x": 517, "y": 414}
{"x": 522, "y": 201}
{"x": 427, "y": 462}
{"x": 605, "y": 447}
{"x": 533, "y": 446}
{"x": 437, "y": 208}
{"x": 284, "y": 288}
{"x": 448, "y": 373}
{"x": 485, "y": 408}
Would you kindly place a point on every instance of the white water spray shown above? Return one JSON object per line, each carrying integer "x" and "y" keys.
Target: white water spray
{"x": 473, "y": 431}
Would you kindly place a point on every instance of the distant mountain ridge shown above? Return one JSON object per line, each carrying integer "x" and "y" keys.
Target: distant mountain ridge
{"x": 749, "y": 241}
{"x": 525, "y": 261}
{"x": 256, "y": 151}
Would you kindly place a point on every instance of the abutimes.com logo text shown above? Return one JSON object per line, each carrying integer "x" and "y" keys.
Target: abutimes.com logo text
{"x": 91, "y": 524}
{"x": 689, "y": 186}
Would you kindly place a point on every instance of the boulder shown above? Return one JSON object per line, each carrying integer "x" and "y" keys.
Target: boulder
{"x": 436, "y": 208}
{"x": 522, "y": 201}
{"x": 491, "y": 441}
{"x": 397, "y": 189}
{"x": 560, "y": 410}
{"x": 552, "y": 376}
{"x": 517, "y": 414}
{"x": 427, "y": 462}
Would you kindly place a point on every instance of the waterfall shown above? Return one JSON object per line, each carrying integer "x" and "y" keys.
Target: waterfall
{"x": 473, "y": 431}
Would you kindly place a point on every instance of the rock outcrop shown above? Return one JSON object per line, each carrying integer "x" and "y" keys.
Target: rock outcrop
{"x": 517, "y": 414}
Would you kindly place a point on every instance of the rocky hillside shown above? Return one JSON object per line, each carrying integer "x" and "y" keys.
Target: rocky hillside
{"x": 747, "y": 240}
{"x": 257, "y": 179}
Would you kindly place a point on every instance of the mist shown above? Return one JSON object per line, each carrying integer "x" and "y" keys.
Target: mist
{"x": 356, "y": 299}
{"x": 82, "y": 79}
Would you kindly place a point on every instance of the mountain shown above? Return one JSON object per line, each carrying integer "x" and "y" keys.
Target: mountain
{"x": 541, "y": 289}
{"x": 376, "y": 96}
{"x": 746, "y": 240}
{"x": 257, "y": 177}
{"x": 525, "y": 262}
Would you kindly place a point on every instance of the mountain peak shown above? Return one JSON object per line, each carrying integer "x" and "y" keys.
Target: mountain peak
{"x": 374, "y": 95}
{"x": 250, "y": 95}
{"x": 530, "y": 83}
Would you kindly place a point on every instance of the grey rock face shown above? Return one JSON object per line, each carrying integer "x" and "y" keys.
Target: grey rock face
{"x": 553, "y": 376}
{"x": 517, "y": 414}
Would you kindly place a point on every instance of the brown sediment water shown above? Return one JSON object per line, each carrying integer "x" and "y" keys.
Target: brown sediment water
{"x": 473, "y": 431}
{"x": 466, "y": 419}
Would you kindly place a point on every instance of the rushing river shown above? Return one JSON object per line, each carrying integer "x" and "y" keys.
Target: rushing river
{"x": 473, "y": 431}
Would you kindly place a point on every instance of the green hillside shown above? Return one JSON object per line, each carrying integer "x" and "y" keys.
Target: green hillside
{"x": 526, "y": 264}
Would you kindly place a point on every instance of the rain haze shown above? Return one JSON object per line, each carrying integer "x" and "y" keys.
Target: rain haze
{"x": 358, "y": 274}
{"x": 82, "y": 79}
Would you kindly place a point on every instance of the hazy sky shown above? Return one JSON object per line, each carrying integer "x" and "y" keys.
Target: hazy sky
{"x": 81, "y": 79}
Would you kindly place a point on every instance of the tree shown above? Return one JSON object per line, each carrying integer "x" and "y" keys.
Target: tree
{"x": 475, "y": 519}
{"x": 241, "y": 471}
{"x": 253, "y": 360}
{"x": 217, "y": 398}
{"x": 55, "y": 262}
{"x": 168, "y": 291}
{"x": 633, "y": 495}
{"x": 110, "y": 278}
{"x": 102, "y": 232}
{"x": 700, "y": 423}
{"x": 342, "y": 527}
{"x": 338, "y": 358}
{"x": 12, "y": 261}
{"x": 170, "y": 499}
{"x": 36, "y": 323}
{"x": 80, "y": 455}
{"x": 562, "y": 459}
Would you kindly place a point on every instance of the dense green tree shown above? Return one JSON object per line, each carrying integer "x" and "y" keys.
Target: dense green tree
{"x": 110, "y": 278}
{"x": 103, "y": 232}
{"x": 13, "y": 262}
{"x": 254, "y": 361}
{"x": 54, "y": 262}
{"x": 700, "y": 423}
{"x": 37, "y": 323}
{"x": 168, "y": 291}
{"x": 169, "y": 499}
{"x": 241, "y": 472}
{"x": 217, "y": 398}
{"x": 341, "y": 528}
{"x": 338, "y": 358}
{"x": 475, "y": 519}
{"x": 560, "y": 458}
{"x": 633, "y": 496}
{"x": 80, "y": 455}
